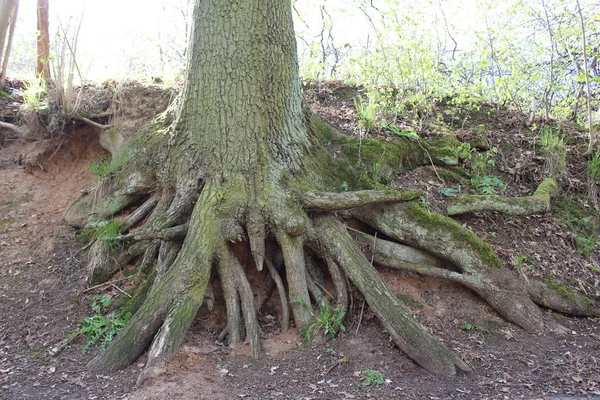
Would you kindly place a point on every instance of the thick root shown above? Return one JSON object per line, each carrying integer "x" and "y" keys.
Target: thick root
{"x": 295, "y": 265}
{"x": 285, "y": 311}
{"x": 482, "y": 271}
{"x": 326, "y": 201}
{"x": 330, "y": 235}
{"x": 538, "y": 203}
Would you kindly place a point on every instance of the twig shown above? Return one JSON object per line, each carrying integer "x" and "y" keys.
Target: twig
{"x": 95, "y": 124}
{"x": 106, "y": 284}
{"x": 121, "y": 290}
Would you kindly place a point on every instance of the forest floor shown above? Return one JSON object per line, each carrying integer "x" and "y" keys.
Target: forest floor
{"x": 43, "y": 291}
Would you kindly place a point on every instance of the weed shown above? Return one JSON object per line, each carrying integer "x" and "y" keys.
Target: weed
{"x": 33, "y": 94}
{"x": 488, "y": 185}
{"x": 329, "y": 351}
{"x": 372, "y": 378}
{"x": 367, "y": 113}
{"x": 585, "y": 245}
{"x": 105, "y": 167}
{"x": 450, "y": 192}
{"x": 327, "y": 321}
{"x": 554, "y": 151}
{"x": 106, "y": 233}
{"x": 521, "y": 261}
{"x": 99, "y": 327}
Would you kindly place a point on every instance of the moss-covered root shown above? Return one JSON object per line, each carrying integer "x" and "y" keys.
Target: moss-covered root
{"x": 331, "y": 237}
{"x": 556, "y": 296}
{"x": 503, "y": 290}
{"x": 327, "y": 201}
{"x": 295, "y": 266}
{"x": 537, "y": 203}
{"x": 173, "y": 301}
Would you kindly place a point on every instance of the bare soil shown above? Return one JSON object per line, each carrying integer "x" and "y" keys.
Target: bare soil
{"x": 43, "y": 296}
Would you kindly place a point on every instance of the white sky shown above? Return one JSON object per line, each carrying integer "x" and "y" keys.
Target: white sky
{"x": 121, "y": 38}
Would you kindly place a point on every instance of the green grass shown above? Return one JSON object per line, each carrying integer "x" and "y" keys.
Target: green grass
{"x": 327, "y": 321}
{"x": 106, "y": 233}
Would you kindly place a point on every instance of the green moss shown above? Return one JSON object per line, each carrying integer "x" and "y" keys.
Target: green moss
{"x": 459, "y": 234}
{"x": 449, "y": 176}
{"x": 142, "y": 285}
{"x": 324, "y": 132}
{"x": 548, "y": 188}
{"x": 557, "y": 286}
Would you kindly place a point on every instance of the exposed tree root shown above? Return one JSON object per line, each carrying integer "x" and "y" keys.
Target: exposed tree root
{"x": 342, "y": 201}
{"x": 413, "y": 339}
{"x": 537, "y": 203}
{"x": 481, "y": 269}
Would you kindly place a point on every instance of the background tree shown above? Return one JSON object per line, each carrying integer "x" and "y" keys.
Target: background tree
{"x": 8, "y": 19}
{"x": 236, "y": 165}
{"x": 43, "y": 39}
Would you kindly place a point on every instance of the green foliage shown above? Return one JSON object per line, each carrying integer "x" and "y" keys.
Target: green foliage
{"x": 488, "y": 185}
{"x": 371, "y": 377}
{"x": 100, "y": 327}
{"x": 580, "y": 219}
{"x": 327, "y": 321}
{"x": 593, "y": 168}
{"x": 34, "y": 92}
{"x": 585, "y": 245}
{"x": 407, "y": 133}
{"x": 450, "y": 192}
{"x": 106, "y": 233}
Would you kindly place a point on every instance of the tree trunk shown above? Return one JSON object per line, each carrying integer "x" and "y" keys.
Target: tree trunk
{"x": 43, "y": 39}
{"x": 236, "y": 162}
{"x": 8, "y": 19}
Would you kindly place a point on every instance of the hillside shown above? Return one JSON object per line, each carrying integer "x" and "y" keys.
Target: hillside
{"x": 43, "y": 291}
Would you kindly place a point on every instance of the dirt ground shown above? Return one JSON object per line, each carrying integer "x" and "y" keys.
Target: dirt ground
{"x": 43, "y": 295}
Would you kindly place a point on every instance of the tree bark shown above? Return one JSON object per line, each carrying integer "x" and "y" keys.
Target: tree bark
{"x": 43, "y": 39}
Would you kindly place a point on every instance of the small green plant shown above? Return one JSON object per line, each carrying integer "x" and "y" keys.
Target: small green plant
{"x": 465, "y": 151}
{"x": 105, "y": 167}
{"x": 329, "y": 351}
{"x": 552, "y": 142}
{"x": 34, "y": 92}
{"x": 450, "y": 192}
{"x": 488, "y": 185}
{"x": 371, "y": 377}
{"x": 100, "y": 167}
{"x": 521, "y": 261}
{"x": 585, "y": 245}
{"x": 100, "y": 327}
{"x": 367, "y": 113}
{"x": 106, "y": 233}
{"x": 327, "y": 321}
